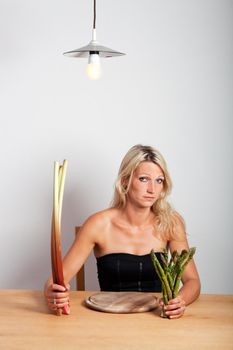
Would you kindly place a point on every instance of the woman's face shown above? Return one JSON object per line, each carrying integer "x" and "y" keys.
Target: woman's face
{"x": 146, "y": 184}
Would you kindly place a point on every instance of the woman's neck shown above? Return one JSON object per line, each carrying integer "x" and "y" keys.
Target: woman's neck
{"x": 137, "y": 217}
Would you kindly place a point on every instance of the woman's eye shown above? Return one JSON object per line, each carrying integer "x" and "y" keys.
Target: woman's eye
{"x": 159, "y": 181}
{"x": 143, "y": 178}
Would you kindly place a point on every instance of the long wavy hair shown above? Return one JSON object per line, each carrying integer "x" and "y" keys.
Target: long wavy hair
{"x": 167, "y": 219}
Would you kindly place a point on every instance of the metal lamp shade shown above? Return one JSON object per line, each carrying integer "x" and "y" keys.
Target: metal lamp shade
{"x": 93, "y": 46}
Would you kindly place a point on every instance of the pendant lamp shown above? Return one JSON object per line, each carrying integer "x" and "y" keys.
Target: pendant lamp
{"x": 93, "y": 51}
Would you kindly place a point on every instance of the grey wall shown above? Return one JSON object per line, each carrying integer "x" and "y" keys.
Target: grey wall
{"x": 173, "y": 90}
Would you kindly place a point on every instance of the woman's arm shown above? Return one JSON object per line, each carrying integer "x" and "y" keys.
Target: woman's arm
{"x": 79, "y": 251}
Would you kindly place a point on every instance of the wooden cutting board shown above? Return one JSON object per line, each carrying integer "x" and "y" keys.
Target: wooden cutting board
{"x": 122, "y": 302}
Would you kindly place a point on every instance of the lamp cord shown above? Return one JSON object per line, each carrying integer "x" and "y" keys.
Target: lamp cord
{"x": 94, "y": 21}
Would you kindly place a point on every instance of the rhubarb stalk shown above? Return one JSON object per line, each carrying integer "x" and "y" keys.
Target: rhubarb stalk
{"x": 56, "y": 256}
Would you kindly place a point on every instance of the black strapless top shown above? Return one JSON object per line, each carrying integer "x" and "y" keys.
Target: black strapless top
{"x": 123, "y": 272}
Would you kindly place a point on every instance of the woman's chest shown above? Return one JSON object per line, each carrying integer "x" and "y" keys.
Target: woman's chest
{"x": 137, "y": 242}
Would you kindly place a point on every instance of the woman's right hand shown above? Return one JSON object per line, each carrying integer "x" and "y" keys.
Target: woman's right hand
{"x": 57, "y": 297}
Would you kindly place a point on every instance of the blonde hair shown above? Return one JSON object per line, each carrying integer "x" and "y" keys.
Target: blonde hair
{"x": 168, "y": 221}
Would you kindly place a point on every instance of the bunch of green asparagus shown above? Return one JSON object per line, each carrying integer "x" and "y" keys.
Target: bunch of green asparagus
{"x": 170, "y": 271}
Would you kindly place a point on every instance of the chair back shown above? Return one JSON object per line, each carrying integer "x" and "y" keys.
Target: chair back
{"x": 80, "y": 277}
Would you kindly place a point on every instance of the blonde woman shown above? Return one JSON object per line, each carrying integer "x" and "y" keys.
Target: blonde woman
{"x": 122, "y": 236}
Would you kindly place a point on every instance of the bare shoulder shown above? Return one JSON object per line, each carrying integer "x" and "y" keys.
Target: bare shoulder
{"x": 98, "y": 222}
{"x": 178, "y": 231}
{"x": 100, "y": 218}
{"x": 178, "y": 238}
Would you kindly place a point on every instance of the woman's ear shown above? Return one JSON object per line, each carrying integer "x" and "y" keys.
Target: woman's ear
{"x": 124, "y": 183}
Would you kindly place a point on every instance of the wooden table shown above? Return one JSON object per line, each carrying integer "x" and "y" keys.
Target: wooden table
{"x": 25, "y": 323}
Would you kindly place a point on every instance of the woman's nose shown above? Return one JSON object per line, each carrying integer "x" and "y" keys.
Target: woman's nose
{"x": 151, "y": 187}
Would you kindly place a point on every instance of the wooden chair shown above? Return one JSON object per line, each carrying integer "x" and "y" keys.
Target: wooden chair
{"x": 80, "y": 278}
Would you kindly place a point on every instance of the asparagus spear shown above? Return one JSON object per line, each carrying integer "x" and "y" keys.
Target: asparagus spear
{"x": 161, "y": 275}
{"x": 179, "y": 275}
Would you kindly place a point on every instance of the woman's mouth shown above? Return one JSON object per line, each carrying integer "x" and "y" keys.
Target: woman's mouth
{"x": 150, "y": 198}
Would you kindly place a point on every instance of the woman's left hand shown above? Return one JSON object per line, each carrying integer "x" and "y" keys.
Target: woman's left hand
{"x": 175, "y": 307}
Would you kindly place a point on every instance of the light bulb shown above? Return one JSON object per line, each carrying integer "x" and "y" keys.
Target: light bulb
{"x": 93, "y": 67}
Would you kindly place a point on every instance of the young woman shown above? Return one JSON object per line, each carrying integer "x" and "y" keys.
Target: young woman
{"x": 122, "y": 236}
